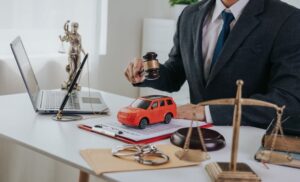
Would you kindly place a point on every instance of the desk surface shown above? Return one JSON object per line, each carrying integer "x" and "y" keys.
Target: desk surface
{"x": 62, "y": 141}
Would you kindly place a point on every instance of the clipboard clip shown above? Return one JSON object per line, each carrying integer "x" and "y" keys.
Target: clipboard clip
{"x": 100, "y": 129}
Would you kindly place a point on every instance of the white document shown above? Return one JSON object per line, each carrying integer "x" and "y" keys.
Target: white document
{"x": 114, "y": 128}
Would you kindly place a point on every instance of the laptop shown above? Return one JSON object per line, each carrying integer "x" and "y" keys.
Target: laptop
{"x": 49, "y": 101}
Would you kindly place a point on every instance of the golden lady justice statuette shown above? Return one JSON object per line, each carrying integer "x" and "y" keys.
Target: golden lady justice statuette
{"x": 233, "y": 171}
{"x": 75, "y": 50}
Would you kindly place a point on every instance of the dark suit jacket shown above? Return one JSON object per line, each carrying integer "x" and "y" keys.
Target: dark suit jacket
{"x": 263, "y": 49}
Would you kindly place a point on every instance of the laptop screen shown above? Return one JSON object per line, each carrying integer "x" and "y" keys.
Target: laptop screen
{"x": 25, "y": 69}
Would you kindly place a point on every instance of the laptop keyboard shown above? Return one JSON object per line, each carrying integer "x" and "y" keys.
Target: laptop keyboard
{"x": 54, "y": 100}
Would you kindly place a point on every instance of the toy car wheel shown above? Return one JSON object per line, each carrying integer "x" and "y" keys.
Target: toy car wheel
{"x": 168, "y": 118}
{"x": 143, "y": 123}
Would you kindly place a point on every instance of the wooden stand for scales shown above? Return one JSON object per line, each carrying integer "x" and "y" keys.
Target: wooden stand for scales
{"x": 229, "y": 171}
{"x": 233, "y": 171}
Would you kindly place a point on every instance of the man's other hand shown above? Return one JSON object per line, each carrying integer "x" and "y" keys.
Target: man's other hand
{"x": 191, "y": 112}
{"x": 134, "y": 71}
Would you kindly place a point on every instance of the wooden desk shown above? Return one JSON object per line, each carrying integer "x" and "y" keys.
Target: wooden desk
{"x": 62, "y": 142}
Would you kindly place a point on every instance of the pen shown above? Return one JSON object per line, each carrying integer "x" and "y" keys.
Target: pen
{"x": 65, "y": 100}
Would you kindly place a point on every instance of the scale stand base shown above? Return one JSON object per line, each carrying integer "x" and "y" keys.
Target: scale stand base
{"x": 219, "y": 172}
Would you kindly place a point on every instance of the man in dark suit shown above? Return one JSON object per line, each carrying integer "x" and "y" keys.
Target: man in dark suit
{"x": 220, "y": 41}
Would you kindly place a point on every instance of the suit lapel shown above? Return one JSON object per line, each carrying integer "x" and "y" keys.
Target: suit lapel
{"x": 247, "y": 22}
{"x": 197, "y": 37}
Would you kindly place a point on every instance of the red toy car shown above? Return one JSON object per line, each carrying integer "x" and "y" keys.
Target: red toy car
{"x": 148, "y": 110}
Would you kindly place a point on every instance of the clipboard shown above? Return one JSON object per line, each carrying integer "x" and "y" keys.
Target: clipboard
{"x": 127, "y": 139}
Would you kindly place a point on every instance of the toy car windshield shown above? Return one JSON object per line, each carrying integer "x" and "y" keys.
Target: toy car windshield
{"x": 142, "y": 104}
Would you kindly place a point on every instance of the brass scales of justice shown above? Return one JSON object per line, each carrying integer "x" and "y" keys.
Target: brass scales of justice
{"x": 229, "y": 171}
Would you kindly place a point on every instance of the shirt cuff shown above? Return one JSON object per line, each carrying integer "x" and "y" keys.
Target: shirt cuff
{"x": 207, "y": 114}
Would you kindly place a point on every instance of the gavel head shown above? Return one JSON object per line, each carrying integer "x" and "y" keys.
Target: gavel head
{"x": 151, "y": 66}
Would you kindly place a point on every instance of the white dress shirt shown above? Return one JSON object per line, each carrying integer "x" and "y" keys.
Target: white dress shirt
{"x": 212, "y": 27}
